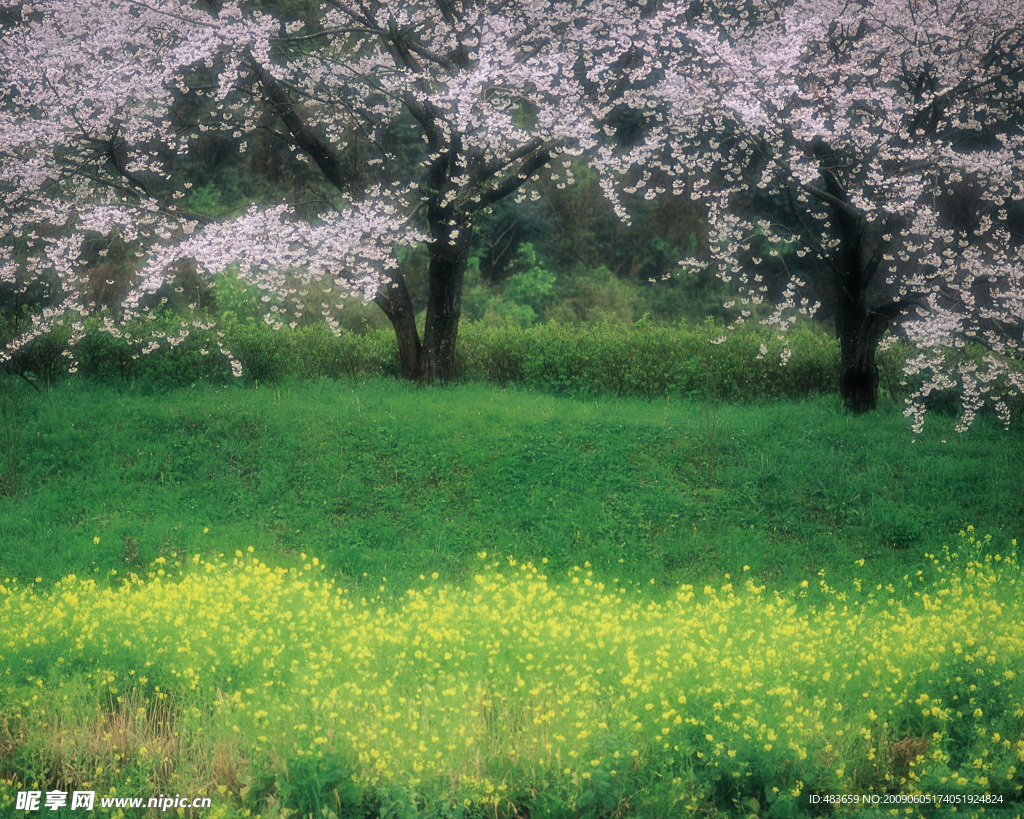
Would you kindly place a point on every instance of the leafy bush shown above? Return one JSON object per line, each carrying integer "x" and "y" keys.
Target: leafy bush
{"x": 481, "y": 302}
{"x": 652, "y": 360}
{"x": 592, "y": 294}
{"x": 318, "y": 353}
{"x": 264, "y": 353}
{"x": 237, "y": 301}
{"x": 641, "y": 358}
{"x": 161, "y": 350}
{"x": 532, "y": 284}
{"x": 44, "y": 356}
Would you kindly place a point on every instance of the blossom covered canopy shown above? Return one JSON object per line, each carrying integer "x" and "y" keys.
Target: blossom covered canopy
{"x": 881, "y": 138}
{"x": 95, "y": 104}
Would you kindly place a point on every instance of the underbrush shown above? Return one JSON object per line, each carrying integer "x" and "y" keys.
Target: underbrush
{"x": 289, "y": 692}
{"x": 640, "y": 359}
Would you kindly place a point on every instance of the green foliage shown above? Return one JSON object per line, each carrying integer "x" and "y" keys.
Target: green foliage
{"x": 265, "y": 354}
{"x": 206, "y": 200}
{"x": 530, "y": 284}
{"x": 686, "y": 296}
{"x": 650, "y": 360}
{"x": 318, "y": 353}
{"x": 310, "y": 352}
{"x": 485, "y": 304}
{"x": 505, "y": 347}
{"x": 575, "y": 229}
{"x": 317, "y": 787}
{"x": 237, "y": 301}
{"x": 594, "y": 294}
{"x": 183, "y": 354}
{"x": 43, "y": 357}
{"x": 9, "y": 435}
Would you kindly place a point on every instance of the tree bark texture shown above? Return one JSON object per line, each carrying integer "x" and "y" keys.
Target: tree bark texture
{"x": 438, "y": 359}
{"x": 860, "y": 331}
{"x": 435, "y": 358}
{"x": 858, "y": 327}
{"x": 397, "y": 305}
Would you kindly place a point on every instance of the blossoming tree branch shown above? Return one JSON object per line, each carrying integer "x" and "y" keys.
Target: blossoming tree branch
{"x": 881, "y": 137}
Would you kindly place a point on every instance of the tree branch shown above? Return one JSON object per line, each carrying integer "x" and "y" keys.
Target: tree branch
{"x": 304, "y": 135}
{"x": 527, "y": 168}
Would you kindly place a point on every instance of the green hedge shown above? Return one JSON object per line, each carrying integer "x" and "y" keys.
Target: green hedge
{"x": 641, "y": 359}
{"x": 651, "y": 360}
{"x": 266, "y": 355}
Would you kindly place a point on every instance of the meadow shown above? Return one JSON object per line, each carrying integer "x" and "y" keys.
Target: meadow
{"x": 369, "y": 599}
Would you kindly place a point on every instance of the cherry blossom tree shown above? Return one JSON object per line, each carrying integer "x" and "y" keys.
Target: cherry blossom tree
{"x": 882, "y": 139}
{"x": 92, "y": 105}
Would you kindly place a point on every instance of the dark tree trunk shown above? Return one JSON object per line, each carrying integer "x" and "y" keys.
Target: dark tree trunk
{"x": 855, "y": 263}
{"x": 397, "y": 305}
{"x": 860, "y": 331}
{"x": 435, "y": 358}
{"x": 438, "y": 359}
{"x": 859, "y": 326}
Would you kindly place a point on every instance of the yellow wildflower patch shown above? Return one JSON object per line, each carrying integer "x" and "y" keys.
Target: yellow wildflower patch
{"x": 219, "y": 672}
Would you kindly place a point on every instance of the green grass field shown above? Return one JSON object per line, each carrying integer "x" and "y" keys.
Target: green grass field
{"x": 371, "y": 599}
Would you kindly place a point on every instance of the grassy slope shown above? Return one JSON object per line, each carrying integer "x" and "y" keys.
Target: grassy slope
{"x": 383, "y": 479}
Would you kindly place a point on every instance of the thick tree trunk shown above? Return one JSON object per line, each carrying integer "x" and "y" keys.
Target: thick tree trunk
{"x": 858, "y": 327}
{"x": 397, "y": 305}
{"x": 438, "y": 359}
{"x": 435, "y": 358}
{"x": 858, "y": 372}
{"x": 859, "y": 330}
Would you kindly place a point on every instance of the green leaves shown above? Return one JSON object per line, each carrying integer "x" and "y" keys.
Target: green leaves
{"x": 532, "y": 284}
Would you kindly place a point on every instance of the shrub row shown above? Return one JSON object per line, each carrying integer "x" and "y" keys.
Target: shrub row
{"x": 641, "y": 359}
{"x": 651, "y": 360}
{"x": 265, "y": 355}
